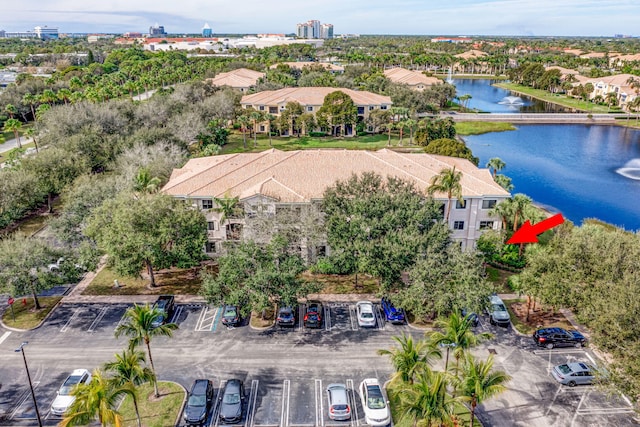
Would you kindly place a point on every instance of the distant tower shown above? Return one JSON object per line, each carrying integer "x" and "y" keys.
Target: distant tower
{"x": 157, "y": 31}
{"x": 207, "y": 31}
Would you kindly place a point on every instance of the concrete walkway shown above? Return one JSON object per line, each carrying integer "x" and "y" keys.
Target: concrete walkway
{"x": 10, "y": 144}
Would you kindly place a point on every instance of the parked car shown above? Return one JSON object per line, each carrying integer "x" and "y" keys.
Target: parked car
{"x": 165, "y": 304}
{"x": 473, "y": 318}
{"x": 376, "y": 410}
{"x": 558, "y": 337}
{"x": 64, "y": 399}
{"x": 286, "y": 316}
{"x": 366, "y": 317}
{"x": 230, "y": 315}
{"x": 339, "y": 409}
{"x": 231, "y": 402}
{"x": 313, "y": 315}
{"x": 572, "y": 374}
{"x": 199, "y": 403}
{"x": 497, "y": 311}
{"x": 392, "y": 314}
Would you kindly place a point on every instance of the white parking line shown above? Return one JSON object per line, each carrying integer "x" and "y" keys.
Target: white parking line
{"x": 351, "y": 390}
{"x": 251, "y": 408}
{"x": 75, "y": 314}
{"x": 176, "y": 314}
{"x": 379, "y": 317}
{"x": 4, "y": 336}
{"x": 573, "y": 420}
{"x": 207, "y": 319}
{"x": 216, "y": 408}
{"x": 327, "y": 318}
{"x": 553, "y": 401}
{"x": 284, "y": 412}
{"x": 352, "y": 318}
{"x": 319, "y": 404}
{"x": 299, "y": 326}
{"x": 23, "y": 399}
{"x": 97, "y": 320}
{"x": 559, "y": 351}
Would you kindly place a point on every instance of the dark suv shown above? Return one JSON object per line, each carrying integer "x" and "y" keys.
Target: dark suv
{"x": 392, "y": 314}
{"x": 165, "y": 304}
{"x": 558, "y": 337}
{"x": 313, "y": 315}
{"x": 286, "y": 316}
{"x": 199, "y": 403}
{"x": 230, "y": 315}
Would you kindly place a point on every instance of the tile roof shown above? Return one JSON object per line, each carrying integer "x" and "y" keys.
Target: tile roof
{"x": 240, "y": 78}
{"x": 473, "y": 53}
{"x": 311, "y": 96}
{"x": 404, "y": 76}
{"x": 302, "y": 176}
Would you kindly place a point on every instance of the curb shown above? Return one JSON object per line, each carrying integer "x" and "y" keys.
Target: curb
{"x": 184, "y": 402}
{"x": 35, "y": 327}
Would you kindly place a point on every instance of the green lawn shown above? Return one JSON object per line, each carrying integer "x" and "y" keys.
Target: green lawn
{"x": 4, "y": 155}
{"x": 174, "y": 282}
{"x": 499, "y": 278}
{"x": 559, "y": 99}
{"x": 367, "y": 142}
{"x": 161, "y": 412}
{"x": 477, "y": 128}
{"x": 26, "y": 316}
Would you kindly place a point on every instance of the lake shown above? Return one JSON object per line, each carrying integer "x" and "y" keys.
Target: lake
{"x": 582, "y": 171}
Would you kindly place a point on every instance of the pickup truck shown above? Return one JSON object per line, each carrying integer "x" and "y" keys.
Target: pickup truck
{"x": 165, "y": 304}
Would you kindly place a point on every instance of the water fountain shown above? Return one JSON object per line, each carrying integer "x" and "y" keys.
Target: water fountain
{"x": 512, "y": 100}
{"x": 449, "y": 77}
{"x": 630, "y": 170}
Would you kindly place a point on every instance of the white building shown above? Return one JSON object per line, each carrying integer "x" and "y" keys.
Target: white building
{"x": 46, "y": 32}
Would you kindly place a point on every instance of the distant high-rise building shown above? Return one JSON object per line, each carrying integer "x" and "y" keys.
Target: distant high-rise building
{"x": 326, "y": 31}
{"x": 313, "y": 29}
{"x": 45, "y": 32}
{"x": 207, "y": 31}
{"x": 157, "y": 31}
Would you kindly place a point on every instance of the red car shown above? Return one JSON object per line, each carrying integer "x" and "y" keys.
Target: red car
{"x": 313, "y": 315}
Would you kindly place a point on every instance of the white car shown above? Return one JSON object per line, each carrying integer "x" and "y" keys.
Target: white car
{"x": 366, "y": 316}
{"x": 376, "y": 409}
{"x": 64, "y": 399}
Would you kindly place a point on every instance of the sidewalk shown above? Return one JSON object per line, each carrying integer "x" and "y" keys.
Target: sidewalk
{"x": 10, "y": 144}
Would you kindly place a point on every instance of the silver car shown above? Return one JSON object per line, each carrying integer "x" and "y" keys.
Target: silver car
{"x": 366, "y": 316}
{"x": 572, "y": 374}
{"x": 339, "y": 409}
{"x": 497, "y": 311}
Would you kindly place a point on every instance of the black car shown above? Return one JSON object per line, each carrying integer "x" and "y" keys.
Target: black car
{"x": 232, "y": 401}
{"x": 199, "y": 403}
{"x": 286, "y": 316}
{"x": 313, "y": 315}
{"x": 558, "y": 337}
{"x": 165, "y": 304}
{"x": 230, "y": 315}
{"x": 471, "y": 317}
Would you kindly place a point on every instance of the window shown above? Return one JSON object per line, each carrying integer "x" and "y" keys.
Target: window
{"x": 486, "y": 225}
{"x": 488, "y": 204}
{"x": 462, "y": 205}
{"x": 211, "y": 225}
{"x": 360, "y": 110}
{"x": 310, "y": 108}
{"x": 262, "y": 128}
{"x": 273, "y": 110}
{"x": 458, "y": 225}
{"x": 383, "y": 107}
{"x": 261, "y": 108}
{"x": 371, "y": 107}
{"x": 207, "y": 204}
{"x": 211, "y": 248}
{"x": 321, "y": 251}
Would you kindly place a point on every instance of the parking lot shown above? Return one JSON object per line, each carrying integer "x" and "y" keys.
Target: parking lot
{"x": 286, "y": 371}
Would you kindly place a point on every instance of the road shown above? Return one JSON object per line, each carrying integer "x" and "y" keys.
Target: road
{"x": 285, "y": 371}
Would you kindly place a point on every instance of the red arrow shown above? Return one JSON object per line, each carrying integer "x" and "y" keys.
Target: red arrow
{"x": 528, "y": 233}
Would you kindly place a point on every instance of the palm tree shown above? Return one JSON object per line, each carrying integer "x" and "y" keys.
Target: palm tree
{"x": 270, "y": 118}
{"x": 11, "y": 110}
{"x": 31, "y": 133}
{"x": 504, "y": 210}
{"x": 426, "y": 402}
{"x": 128, "y": 373}
{"x": 228, "y": 207}
{"x": 411, "y": 124}
{"x": 410, "y": 356}
{"x": 139, "y": 327}
{"x": 256, "y": 117}
{"x": 244, "y": 121}
{"x": 456, "y": 331}
{"x": 30, "y": 100}
{"x": 145, "y": 183}
{"x": 96, "y": 399}
{"x": 611, "y": 99}
{"x": 14, "y": 125}
{"x": 504, "y": 182}
{"x": 496, "y": 165}
{"x": 479, "y": 383}
{"x": 447, "y": 181}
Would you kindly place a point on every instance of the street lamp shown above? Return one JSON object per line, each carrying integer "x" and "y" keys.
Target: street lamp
{"x": 26, "y": 367}
{"x": 448, "y": 346}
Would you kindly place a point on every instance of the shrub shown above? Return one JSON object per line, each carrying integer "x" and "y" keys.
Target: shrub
{"x": 317, "y": 134}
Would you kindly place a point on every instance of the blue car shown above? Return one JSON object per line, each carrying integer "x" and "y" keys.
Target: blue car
{"x": 392, "y": 314}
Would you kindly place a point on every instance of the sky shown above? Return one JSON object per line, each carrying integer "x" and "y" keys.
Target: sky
{"x": 421, "y": 17}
